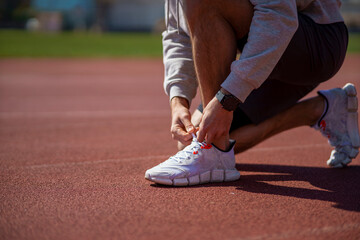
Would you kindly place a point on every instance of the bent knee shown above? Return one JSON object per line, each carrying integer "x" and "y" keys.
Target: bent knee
{"x": 193, "y": 6}
{"x": 238, "y": 14}
{"x": 198, "y": 10}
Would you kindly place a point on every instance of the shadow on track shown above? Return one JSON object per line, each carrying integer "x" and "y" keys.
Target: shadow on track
{"x": 340, "y": 186}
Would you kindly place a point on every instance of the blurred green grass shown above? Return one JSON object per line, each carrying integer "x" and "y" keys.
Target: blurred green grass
{"x": 354, "y": 43}
{"x": 18, "y": 44}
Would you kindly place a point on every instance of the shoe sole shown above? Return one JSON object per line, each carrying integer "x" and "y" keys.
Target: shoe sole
{"x": 216, "y": 175}
{"x": 352, "y": 125}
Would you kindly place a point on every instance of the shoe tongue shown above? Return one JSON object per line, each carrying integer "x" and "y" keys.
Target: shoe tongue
{"x": 193, "y": 144}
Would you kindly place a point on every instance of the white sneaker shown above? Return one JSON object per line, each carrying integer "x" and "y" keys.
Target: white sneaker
{"x": 196, "y": 164}
{"x": 340, "y": 124}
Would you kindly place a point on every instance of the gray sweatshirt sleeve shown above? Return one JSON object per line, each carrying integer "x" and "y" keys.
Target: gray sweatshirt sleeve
{"x": 274, "y": 24}
{"x": 180, "y": 78}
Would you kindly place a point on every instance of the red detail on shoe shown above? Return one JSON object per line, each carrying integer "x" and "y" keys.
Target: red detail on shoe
{"x": 208, "y": 146}
{"x": 323, "y": 125}
{"x": 195, "y": 152}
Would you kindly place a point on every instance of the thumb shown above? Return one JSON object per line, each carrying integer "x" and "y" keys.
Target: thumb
{"x": 188, "y": 125}
{"x": 190, "y": 128}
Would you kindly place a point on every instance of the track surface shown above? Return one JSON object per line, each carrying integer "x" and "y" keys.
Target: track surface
{"x": 76, "y": 137}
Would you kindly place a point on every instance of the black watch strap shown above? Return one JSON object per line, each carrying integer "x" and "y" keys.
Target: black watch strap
{"x": 228, "y": 101}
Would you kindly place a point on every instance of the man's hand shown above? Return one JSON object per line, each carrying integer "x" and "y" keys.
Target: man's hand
{"x": 181, "y": 126}
{"x": 215, "y": 123}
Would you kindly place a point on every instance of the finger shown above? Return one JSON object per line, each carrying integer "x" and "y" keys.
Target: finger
{"x": 201, "y": 134}
{"x": 187, "y": 137}
{"x": 182, "y": 140}
{"x": 180, "y": 135}
{"x": 187, "y": 123}
{"x": 196, "y": 118}
{"x": 185, "y": 142}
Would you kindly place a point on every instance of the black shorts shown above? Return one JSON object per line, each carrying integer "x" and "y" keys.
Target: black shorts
{"x": 314, "y": 55}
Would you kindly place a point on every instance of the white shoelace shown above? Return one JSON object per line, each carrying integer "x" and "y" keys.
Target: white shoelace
{"x": 190, "y": 150}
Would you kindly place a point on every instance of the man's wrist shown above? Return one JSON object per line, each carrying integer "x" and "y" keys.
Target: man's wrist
{"x": 228, "y": 101}
{"x": 179, "y": 102}
{"x": 223, "y": 90}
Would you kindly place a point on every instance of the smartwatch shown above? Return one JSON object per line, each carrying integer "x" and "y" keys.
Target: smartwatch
{"x": 228, "y": 101}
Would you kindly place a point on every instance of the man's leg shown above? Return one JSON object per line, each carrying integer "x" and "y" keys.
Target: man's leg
{"x": 304, "y": 113}
{"x": 215, "y": 26}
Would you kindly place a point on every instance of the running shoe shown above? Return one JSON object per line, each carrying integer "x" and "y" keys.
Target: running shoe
{"x": 197, "y": 163}
{"x": 339, "y": 124}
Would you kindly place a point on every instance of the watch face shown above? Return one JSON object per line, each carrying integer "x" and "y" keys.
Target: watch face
{"x": 229, "y": 102}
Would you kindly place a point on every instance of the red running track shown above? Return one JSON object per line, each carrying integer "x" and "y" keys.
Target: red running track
{"x": 76, "y": 137}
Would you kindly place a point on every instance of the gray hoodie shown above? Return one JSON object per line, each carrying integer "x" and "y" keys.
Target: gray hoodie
{"x": 272, "y": 27}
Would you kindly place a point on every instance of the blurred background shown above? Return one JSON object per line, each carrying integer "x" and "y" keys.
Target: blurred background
{"x": 28, "y": 26}
{"x": 106, "y": 15}
{"x": 81, "y": 15}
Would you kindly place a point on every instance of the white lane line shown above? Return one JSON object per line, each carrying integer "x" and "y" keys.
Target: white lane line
{"x": 70, "y": 164}
{"x": 309, "y": 232}
{"x": 70, "y": 114}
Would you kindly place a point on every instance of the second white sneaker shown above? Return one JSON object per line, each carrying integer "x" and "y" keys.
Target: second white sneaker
{"x": 340, "y": 124}
{"x": 197, "y": 163}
